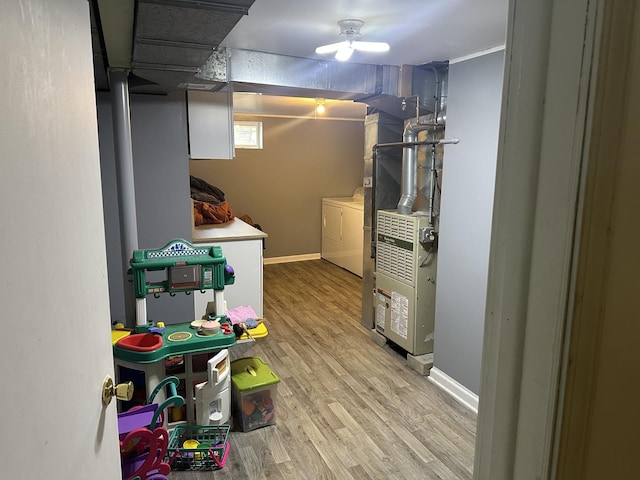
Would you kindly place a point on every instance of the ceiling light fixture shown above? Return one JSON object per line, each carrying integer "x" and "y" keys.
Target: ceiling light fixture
{"x": 320, "y": 106}
{"x": 344, "y": 53}
{"x": 350, "y": 28}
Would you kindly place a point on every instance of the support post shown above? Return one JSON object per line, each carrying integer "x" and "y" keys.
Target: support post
{"x": 121, "y": 116}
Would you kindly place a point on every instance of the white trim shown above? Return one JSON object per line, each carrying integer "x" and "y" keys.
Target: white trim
{"x": 477, "y": 54}
{"x": 511, "y": 231}
{"x": 458, "y": 391}
{"x": 563, "y": 157}
{"x": 292, "y": 258}
{"x": 537, "y": 182}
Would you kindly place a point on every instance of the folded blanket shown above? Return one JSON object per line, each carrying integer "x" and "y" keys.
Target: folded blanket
{"x": 208, "y": 213}
{"x": 199, "y": 187}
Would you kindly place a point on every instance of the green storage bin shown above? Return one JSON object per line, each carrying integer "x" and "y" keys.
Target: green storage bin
{"x": 254, "y": 390}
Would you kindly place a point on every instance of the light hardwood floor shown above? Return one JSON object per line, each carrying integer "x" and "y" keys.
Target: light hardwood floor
{"x": 346, "y": 407}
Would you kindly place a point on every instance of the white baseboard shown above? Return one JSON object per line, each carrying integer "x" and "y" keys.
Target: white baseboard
{"x": 292, "y": 258}
{"x": 461, "y": 393}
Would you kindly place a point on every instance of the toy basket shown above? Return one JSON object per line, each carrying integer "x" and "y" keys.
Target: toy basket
{"x": 197, "y": 447}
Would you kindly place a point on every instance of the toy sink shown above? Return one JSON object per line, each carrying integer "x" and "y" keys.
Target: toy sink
{"x": 141, "y": 342}
{"x": 176, "y": 339}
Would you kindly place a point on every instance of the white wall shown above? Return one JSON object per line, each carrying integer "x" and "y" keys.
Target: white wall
{"x": 468, "y": 179}
{"x": 54, "y": 346}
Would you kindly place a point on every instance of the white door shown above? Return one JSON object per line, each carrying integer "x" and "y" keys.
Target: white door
{"x": 352, "y": 245}
{"x": 54, "y": 331}
{"x": 331, "y": 232}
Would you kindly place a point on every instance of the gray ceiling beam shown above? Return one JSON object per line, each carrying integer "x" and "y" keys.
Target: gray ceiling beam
{"x": 299, "y": 75}
{"x": 240, "y": 9}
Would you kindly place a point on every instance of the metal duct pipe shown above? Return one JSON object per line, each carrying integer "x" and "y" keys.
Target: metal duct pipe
{"x": 409, "y": 187}
{"x": 409, "y": 184}
{"x": 443, "y": 88}
{"x": 432, "y": 185}
{"x": 436, "y": 106}
{"x": 410, "y": 147}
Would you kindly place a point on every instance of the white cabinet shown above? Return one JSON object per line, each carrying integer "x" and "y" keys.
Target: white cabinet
{"x": 342, "y": 230}
{"x": 242, "y": 247}
{"x": 210, "y": 125}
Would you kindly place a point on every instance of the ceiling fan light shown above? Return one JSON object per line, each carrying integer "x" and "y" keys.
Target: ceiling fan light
{"x": 344, "y": 53}
{"x": 333, "y": 47}
{"x": 374, "y": 47}
{"x": 350, "y": 26}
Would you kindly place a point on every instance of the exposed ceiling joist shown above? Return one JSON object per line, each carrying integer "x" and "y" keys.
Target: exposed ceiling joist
{"x": 116, "y": 20}
{"x": 226, "y": 7}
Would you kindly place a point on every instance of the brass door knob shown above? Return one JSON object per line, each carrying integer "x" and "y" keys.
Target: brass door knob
{"x": 122, "y": 391}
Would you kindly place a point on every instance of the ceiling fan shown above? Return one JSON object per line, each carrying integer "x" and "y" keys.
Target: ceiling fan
{"x": 350, "y": 28}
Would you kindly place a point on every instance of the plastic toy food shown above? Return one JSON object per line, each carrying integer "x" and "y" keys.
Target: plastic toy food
{"x": 248, "y": 407}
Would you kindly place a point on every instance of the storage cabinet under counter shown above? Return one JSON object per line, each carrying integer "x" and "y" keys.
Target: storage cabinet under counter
{"x": 242, "y": 247}
{"x": 342, "y": 232}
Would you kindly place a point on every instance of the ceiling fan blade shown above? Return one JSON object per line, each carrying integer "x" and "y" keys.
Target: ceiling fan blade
{"x": 344, "y": 53}
{"x": 371, "y": 46}
{"x": 332, "y": 47}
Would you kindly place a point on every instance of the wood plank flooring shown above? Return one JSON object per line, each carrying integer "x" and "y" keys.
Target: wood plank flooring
{"x": 346, "y": 407}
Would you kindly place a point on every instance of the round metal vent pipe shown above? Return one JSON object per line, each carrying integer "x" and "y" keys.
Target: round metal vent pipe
{"x": 409, "y": 184}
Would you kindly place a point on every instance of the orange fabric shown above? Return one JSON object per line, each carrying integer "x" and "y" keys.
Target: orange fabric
{"x": 208, "y": 213}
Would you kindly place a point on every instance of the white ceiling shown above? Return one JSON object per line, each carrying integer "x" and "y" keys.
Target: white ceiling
{"x": 418, "y": 31}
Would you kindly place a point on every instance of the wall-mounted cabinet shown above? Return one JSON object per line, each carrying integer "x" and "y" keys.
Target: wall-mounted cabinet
{"x": 210, "y": 125}
{"x": 342, "y": 230}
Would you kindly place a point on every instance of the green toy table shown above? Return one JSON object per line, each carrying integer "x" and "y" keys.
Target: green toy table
{"x": 177, "y": 339}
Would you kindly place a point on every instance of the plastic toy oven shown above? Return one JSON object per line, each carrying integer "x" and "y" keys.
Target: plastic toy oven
{"x": 187, "y": 268}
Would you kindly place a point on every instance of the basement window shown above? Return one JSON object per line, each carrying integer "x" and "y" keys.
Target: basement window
{"x": 247, "y": 134}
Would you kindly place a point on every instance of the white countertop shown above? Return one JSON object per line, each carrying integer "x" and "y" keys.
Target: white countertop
{"x": 236, "y": 229}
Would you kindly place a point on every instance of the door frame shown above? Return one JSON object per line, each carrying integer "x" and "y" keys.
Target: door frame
{"x": 550, "y": 68}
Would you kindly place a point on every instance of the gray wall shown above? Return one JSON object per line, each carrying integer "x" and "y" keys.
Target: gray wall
{"x": 163, "y": 207}
{"x": 281, "y": 187}
{"x": 468, "y": 179}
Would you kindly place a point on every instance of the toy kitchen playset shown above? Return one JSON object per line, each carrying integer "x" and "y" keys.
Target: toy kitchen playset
{"x": 195, "y": 352}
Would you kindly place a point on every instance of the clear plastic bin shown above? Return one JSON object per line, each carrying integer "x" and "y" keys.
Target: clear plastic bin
{"x": 254, "y": 390}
